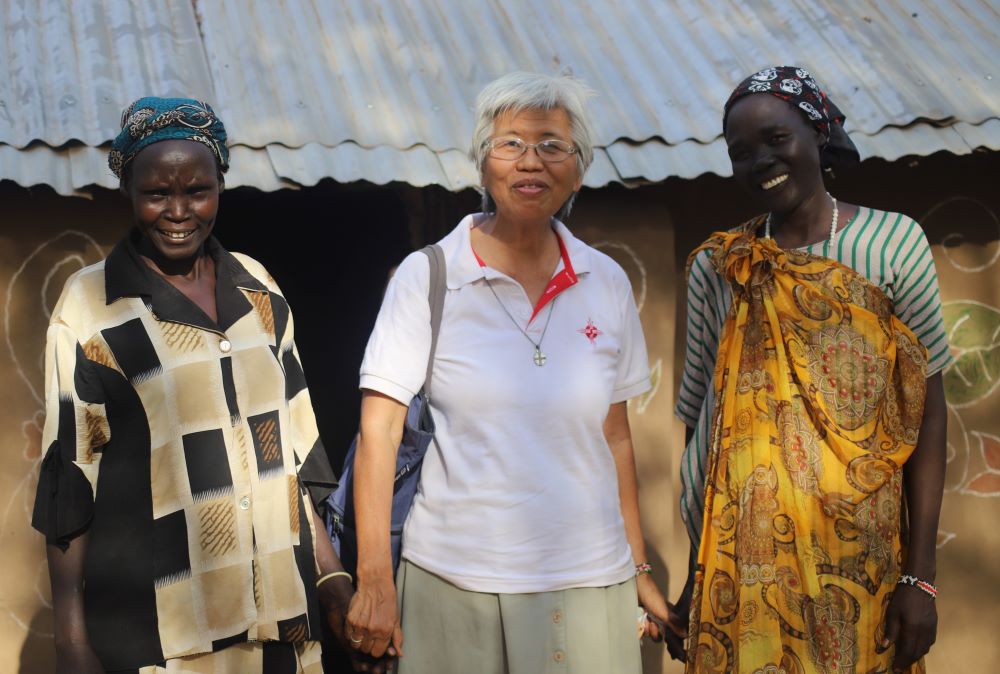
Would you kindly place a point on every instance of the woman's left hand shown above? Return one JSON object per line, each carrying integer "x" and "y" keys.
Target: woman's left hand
{"x": 335, "y": 598}
{"x": 911, "y": 624}
{"x": 662, "y": 617}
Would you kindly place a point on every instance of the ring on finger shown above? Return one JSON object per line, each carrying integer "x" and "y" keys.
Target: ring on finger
{"x": 353, "y": 640}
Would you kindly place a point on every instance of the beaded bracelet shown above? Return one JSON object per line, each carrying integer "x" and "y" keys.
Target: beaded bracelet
{"x": 645, "y": 567}
{"x": 334, "y": 575}
{"x": 913, "y": 581}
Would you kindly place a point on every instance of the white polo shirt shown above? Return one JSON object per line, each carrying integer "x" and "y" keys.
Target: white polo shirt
{"x": 519, "y": 491}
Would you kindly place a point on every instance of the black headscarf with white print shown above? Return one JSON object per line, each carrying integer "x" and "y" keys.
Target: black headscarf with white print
{"x": 798, "y": 88}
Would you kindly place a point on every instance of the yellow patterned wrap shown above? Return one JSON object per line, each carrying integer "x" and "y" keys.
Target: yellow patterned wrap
{"x": 821, "y": 394}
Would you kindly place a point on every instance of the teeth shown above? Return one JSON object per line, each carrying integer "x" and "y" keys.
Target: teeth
{"x": 177, "y": 235}
{"x": 774, "y": 182}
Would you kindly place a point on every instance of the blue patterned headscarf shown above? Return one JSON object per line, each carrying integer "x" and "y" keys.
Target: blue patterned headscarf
{"x": 152, "y": 119}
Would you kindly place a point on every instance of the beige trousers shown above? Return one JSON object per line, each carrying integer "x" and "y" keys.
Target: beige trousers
{"x": 587, "y": 630}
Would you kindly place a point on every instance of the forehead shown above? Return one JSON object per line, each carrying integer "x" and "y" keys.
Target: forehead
{"x": 540, "y": 121}
{"x": 174, "y": 155}
{"x": 755, "y": 112}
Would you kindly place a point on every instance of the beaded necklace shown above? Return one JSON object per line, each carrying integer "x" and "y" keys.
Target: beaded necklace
{"x": 833, "y": 225}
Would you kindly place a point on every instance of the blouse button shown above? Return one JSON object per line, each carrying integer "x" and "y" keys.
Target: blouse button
{"x": 225, "y": 346}
{"x": 245, "y": 502}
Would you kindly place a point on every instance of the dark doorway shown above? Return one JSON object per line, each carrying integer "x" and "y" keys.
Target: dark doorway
{"x": 330, "y": 248}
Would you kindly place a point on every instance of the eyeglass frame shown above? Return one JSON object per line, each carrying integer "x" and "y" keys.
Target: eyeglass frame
{"x": 573, "y": 149}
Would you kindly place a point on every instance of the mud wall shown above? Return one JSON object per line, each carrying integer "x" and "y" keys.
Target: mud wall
{"x": 332, "y": 246}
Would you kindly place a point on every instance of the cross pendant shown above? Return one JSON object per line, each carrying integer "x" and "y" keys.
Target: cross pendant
{"x": 540, "y": 357}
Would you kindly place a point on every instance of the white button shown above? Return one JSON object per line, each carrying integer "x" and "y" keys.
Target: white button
{"x": 557, "y": 616}
{"x": 245, "y": 502}
{"x": 225, "y": 346}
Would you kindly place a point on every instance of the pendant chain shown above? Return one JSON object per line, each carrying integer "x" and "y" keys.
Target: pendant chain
{"x": 539, "y": 357}
{"x": 833, "y": 224}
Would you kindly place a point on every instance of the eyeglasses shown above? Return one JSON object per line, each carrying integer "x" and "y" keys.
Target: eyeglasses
{"x": 550, "y": 151}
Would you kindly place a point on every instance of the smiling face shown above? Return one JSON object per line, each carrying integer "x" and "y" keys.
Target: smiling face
{"x": 528, "y": 188}
{"x": 774, "y": 152}
{"x": 174, "y": 187}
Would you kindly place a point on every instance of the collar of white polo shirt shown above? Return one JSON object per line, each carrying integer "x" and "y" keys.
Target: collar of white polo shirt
{"x": 463, "y": 268}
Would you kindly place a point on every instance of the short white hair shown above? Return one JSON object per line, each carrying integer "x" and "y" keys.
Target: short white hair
{"x": 518, "y": 91}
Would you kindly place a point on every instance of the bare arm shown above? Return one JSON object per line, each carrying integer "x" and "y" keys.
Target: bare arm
{"x": 335, "y": 593}
{"x": 373, "y": 617}
{"x": 924, "y": 483}
{"x": 73, "y": 652}
{"x": 911, "y": 620}
{"x": 619, "y": 437}
{"x": 335, "y": 598}
{"x": 683, "y": 606}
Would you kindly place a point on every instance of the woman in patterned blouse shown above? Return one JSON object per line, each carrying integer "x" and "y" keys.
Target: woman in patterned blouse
{"x": 183, "y": 460}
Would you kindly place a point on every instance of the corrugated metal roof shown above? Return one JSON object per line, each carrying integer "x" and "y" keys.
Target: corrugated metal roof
{"x": 381, "y": 90}
{"x": 68, "y": 68}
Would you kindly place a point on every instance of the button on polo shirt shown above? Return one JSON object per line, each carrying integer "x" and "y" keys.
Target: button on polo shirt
{"x": 519, "y": 491}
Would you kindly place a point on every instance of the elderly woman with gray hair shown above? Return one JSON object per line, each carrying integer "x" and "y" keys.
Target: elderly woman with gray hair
{"x": 522, "y": 552}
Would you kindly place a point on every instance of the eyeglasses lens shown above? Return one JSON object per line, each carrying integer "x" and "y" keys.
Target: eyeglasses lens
{"x": 513, "y": 148}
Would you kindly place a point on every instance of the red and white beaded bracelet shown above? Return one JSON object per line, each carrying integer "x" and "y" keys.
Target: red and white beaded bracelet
{"x": 913, "y": 581}
{"x": 645, "y": 567}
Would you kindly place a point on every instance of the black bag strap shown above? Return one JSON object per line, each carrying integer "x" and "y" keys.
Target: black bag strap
{"x": 435, "y": 298}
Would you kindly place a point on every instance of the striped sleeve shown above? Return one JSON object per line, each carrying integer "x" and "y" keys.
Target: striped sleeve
{"x": 917, "y": 298}
{"x": 704, "y": 320}
{"x": 708, "y": 302}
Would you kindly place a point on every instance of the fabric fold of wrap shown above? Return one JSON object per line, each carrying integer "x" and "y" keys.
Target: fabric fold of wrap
{"x": 820, "y": 391}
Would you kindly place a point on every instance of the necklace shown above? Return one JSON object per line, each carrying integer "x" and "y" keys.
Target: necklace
{"x": 833, "y": 224}
{"x": 538, "y": 357}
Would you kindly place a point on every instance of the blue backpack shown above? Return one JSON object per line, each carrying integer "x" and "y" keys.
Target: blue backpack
{"x": 418, "y": 431}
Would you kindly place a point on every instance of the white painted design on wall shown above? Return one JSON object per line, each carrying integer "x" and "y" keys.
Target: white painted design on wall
{"x": 973, "y": 455}
{"x": 51, "y": 262}
{"x": 954, "y": 239}
{"x": 635, "y": 268}
{"x": 619, "y": 249}
{"x": 655, "y": 378}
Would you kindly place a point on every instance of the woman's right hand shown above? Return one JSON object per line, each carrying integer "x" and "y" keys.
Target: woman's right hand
{"x": 682, "y": 610}
{"x": 77, "y": 658}
{"x": 373, "y": 620}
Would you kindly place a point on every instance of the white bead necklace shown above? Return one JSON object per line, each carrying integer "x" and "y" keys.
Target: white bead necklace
{"x": 833, "y": 223}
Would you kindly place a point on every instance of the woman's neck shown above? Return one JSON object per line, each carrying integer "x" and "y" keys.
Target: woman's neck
{"x": 804, "y": 225}
{"x": 191, "y": 269}
{"x": 525, "y": 240}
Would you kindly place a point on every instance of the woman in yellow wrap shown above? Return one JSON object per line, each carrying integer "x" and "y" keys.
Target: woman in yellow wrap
{"x": 817, "y": 330}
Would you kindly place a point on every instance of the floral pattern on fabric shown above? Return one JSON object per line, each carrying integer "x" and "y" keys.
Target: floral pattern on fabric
{"x": 849, "y": 373}
{"x": 820, "y": 392}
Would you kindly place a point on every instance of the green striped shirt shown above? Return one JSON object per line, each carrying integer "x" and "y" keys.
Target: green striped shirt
{"x": 889, "y": 249}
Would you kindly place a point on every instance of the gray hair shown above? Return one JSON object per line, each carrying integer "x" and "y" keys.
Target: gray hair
{"x": 519, "y": 91}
